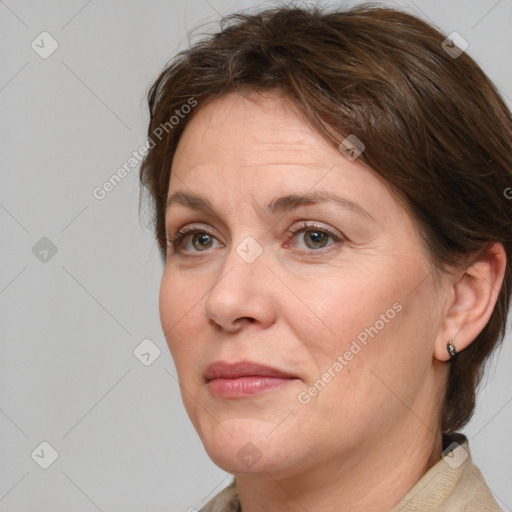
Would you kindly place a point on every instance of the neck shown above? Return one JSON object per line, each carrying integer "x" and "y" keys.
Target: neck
{"x": 373, "y": 478}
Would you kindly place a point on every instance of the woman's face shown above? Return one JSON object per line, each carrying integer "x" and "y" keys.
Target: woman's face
{"x": 335, "y": 295}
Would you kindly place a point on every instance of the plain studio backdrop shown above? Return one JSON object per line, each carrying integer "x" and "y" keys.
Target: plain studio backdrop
{"x": 88, "y": 420}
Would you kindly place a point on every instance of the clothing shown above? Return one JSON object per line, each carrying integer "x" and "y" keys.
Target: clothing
{"x": 454, "y": 484}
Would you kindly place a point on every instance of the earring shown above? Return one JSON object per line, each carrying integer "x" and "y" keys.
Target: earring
{"x": 451, "y": 349}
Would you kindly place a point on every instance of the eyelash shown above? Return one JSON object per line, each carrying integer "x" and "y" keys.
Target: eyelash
{"x": 177, "y": 240}
{"x": 180, "y": 235}
{"x": 305, "y": 226}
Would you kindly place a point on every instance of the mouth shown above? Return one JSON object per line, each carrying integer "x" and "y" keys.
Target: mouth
{"x": 244, "y": 378}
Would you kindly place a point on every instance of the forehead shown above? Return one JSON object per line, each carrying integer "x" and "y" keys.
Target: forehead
{"x": 254, "y": 129}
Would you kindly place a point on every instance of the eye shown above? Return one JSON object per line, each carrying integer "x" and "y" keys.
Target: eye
{"x": 199, "y": 239}
{"x": 193, "y": 239}
{"x": 315, "y": 237}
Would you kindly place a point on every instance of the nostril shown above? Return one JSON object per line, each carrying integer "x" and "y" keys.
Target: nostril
{"x": 244, "y": 319}
{"x": 215, "y": 325}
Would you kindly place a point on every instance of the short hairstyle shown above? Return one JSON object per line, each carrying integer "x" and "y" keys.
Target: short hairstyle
{"x": 434, "y": 127}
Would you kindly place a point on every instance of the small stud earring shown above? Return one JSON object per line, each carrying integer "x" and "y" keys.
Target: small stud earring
{"x": 451, "y": 349}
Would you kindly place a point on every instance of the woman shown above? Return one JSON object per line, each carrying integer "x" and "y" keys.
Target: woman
{"x": 328, "y": 193}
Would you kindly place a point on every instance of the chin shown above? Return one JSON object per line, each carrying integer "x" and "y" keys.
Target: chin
{"x": 248, "y": 459}
{"x": 248, "y": 449}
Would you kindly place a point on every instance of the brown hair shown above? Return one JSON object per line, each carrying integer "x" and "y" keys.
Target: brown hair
{"x": 434, "y": 126}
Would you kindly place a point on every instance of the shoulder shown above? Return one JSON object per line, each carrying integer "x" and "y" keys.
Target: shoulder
{"x": 454, "y": 484}
{"x": 224, "y": 501}
{"x": 473, "y": 491}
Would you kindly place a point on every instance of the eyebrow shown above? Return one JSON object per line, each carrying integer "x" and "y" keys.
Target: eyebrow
{"x": 278, "y": 205}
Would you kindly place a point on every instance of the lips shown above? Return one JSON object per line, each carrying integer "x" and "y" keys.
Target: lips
{"x": 222, "y": 370}
{"x": 244, "y": 379}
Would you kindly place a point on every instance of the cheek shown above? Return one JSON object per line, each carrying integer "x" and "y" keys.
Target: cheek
{"x": 343, "y": 306}
{"x": 375, "y": 315}
{"x": 389, "y": 332}
{"x": 179, "y": 306}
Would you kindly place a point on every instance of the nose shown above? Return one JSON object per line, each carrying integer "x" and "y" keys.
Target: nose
{"x": 243, "y": 294}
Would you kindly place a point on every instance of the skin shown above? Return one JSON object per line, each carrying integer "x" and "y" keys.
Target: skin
{"x": 370, "y": 434}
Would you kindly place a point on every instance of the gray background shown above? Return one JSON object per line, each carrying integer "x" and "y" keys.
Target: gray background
{"x": 70, "y": 324}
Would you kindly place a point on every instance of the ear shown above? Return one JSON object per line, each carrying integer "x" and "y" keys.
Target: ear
{"x": 474, "y": 296}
